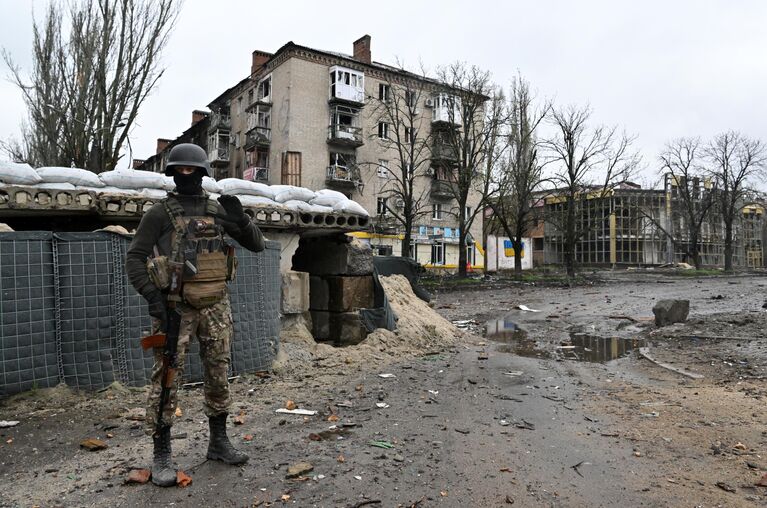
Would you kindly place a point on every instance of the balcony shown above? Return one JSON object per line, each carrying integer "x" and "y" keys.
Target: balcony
{"x": 218, "y": 155}
{"x": 443, "y": 153}
{"x": 446, "y": 110}
{"x": 258, "y": 136}
{"x": 442, "y": 189}
{"x": 347, "y": 85}
{"x": 343, "y": 176}
{"x": 256, "y": 174}
{"x": 345, "y": 135}
{"x": 219, "y": 121}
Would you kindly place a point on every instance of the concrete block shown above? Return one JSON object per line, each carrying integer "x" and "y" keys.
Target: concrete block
{"x": 295, "y": 292}
{"x": 318, "y": 293}
{"x": 320, "y": 324}
{"x": 324, "y": 256}
{"x": 671, "y": 311}
{"x": 348, "y": 293}
{"x": 346, "y": 328}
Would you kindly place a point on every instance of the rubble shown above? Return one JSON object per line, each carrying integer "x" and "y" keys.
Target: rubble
{"x": 668, "y": 312}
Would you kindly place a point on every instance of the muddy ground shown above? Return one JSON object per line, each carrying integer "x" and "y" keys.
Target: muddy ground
{"x": 552, "y": 408}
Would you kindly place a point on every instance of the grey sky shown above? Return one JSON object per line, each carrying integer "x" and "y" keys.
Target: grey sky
{"x": 659, "y": 69}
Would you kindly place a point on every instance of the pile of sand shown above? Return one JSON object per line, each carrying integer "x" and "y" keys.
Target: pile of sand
{"x": 420, "y": 330}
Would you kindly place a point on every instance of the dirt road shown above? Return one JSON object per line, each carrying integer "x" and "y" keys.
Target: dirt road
{"x": 518, "y": 418}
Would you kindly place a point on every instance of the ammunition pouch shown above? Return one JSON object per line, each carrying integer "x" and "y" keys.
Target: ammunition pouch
{"x": 159, "y": 272}
{"x": 201, "y": 295}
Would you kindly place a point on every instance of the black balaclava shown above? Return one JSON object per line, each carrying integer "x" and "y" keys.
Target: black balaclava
{"x": 190, "y": 185}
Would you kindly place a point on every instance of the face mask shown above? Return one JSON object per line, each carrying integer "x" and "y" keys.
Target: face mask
{"x": 188, "y": 184}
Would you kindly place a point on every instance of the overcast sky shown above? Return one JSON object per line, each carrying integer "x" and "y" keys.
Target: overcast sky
{"x": 659, "y": 69}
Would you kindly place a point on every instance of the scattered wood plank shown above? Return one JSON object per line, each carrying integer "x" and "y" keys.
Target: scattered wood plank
{"x": 644, "y": 352}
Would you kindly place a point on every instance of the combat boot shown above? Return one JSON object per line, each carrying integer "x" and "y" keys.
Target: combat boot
{"x": 219, "y": 447}
{"x": 163, "y": 473}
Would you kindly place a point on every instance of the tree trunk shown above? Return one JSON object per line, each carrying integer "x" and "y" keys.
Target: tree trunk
{"x": 694, "y": 251}
{"x": 570, "y": 238}
{"x": 405, "y": 250}
{"x": 462, "y": 253}
{"x": 728, "y": 246}
{"x": 517, "y": 244}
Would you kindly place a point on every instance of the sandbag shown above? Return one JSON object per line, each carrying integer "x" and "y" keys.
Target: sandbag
{"x": 18, "y": 173}
{"x": 153, "y": 193}
{"x": 133, "y": 179}
{"x": 284, "y": 193}
{"x": 235, "y": 186}
{"x": 210, "y": 185}
{"x": 168, "y": 183}
{"x": 327, "y": 197}
{"x": 55, "y": 186}
{"x": 75, "y": 176}
{"x": 303, "y": 206}
{"x": 350, "y": 206}
{"x": 258, "y": 201}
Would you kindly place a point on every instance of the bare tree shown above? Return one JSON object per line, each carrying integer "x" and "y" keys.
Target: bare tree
{"x": 519, "y": 174}
{"x": 471, "y": 134}
{"x": 733, "y": 161}
{"x": 589, "y": 162}
{"x": 686, "y": 185}
{"x": 407, "y": 138}
{"x": 86, "y": 87}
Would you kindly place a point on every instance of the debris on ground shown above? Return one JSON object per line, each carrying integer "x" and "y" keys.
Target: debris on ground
{"x": 139, "y": 476}
{"x": 299, "y": 469}
{"x": 668, "y": 312}
{"x": 93, "y": 444}
{"x": 183, "y": 479}
{"x": 4, "y": 424}
{"x": 302, "y": 412}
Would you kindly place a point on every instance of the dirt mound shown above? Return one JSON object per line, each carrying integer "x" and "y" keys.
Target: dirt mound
{"x": 420, "y": 330}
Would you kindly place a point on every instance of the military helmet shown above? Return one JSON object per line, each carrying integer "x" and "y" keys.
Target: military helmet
{"x": 187, "y": 154}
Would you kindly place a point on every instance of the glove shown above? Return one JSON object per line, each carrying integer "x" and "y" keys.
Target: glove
{"x": 158, "y": 307}
{"x": 234, "y": 212}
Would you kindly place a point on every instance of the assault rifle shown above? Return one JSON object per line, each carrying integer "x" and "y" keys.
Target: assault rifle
{"x": 169, "y": 340}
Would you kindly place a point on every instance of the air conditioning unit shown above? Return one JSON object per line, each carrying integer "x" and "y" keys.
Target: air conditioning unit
{"x": 429, "y": 103}
{"x": 399, "y": 203}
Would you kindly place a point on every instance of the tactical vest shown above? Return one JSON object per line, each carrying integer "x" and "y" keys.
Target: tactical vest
{"x": 198, "y": 243}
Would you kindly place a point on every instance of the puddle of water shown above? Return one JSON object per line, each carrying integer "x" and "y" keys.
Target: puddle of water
{"x": 582, "y": 347}
{"x": 514, "y": 339}
{"x": 593, "y": 348}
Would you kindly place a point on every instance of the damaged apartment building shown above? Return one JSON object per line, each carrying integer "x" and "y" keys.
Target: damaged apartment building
{"x": 631, "y": 226}
{"x": 305, "y": 117}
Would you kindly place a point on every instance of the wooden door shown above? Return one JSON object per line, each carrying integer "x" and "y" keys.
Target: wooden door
{"x": 291, "y": 168}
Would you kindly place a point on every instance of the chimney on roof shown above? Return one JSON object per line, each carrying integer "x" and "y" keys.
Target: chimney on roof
{"x": 162, "y": 143}
{"x": 198, "y": 115}
{"x": 259, "y": 59}
{"x": 362, "y": 49}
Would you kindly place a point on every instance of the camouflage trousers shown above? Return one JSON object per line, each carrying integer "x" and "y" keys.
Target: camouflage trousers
{"x": 212, "y": 327}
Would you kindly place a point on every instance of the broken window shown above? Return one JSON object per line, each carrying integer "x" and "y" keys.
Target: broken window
{"x": 264, "y": 92}
{"x": 342, "y": 159}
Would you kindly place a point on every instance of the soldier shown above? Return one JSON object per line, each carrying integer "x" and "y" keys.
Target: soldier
{"x": 161, "y": 239}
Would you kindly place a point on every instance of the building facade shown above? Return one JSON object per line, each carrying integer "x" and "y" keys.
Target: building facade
{"x": 306, "y": 117}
